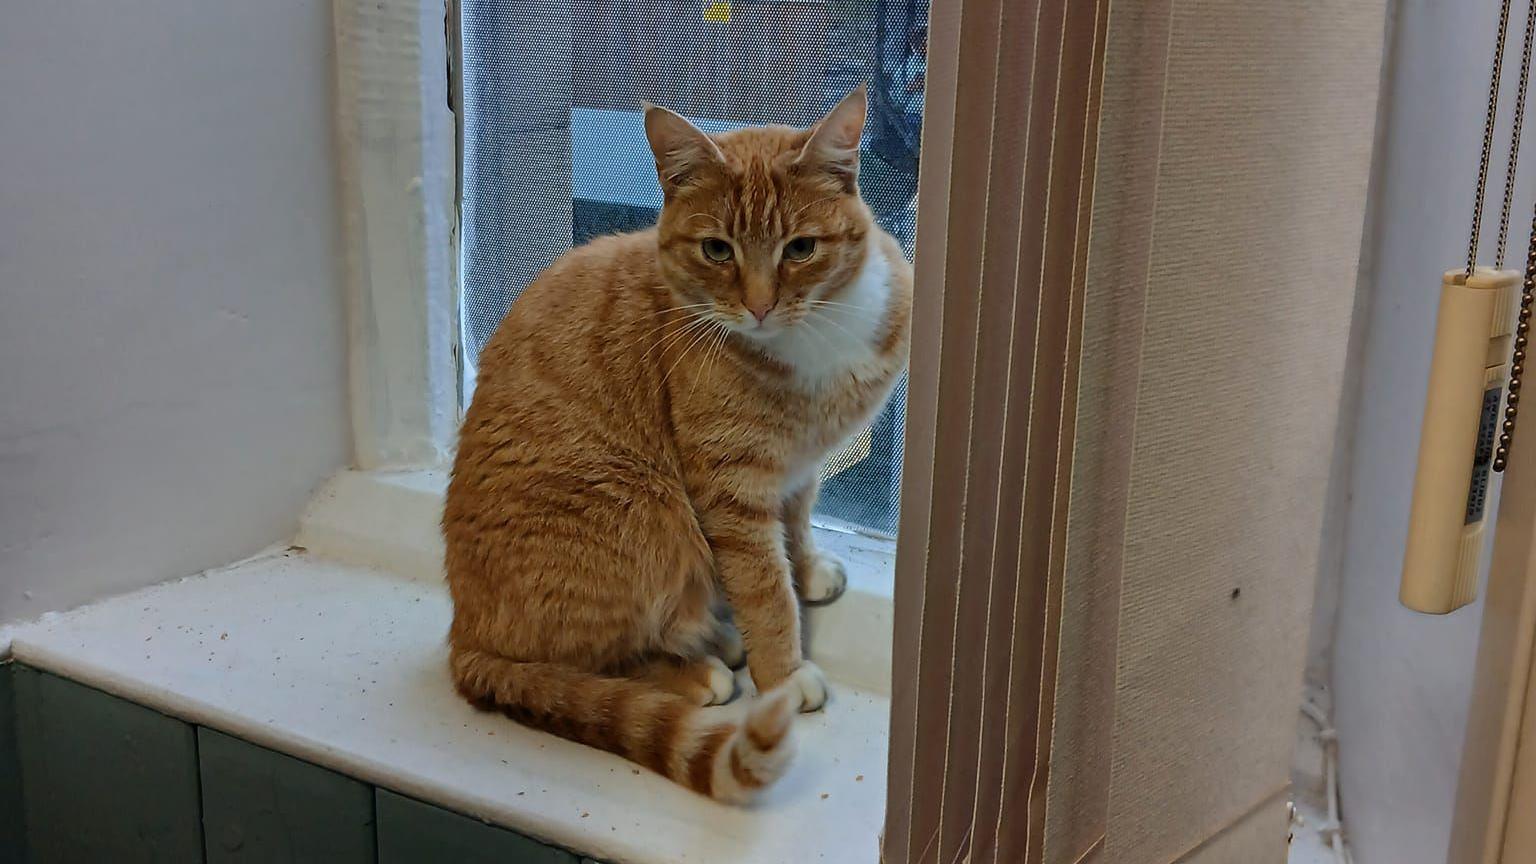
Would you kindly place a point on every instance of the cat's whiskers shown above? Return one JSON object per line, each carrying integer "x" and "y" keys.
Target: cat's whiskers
{"x": 816, "y": 331}
{"x": 685, "y": 311}
{"x": 711, "y": 354}
{"x": 705, "y": 332}
{"x": 687, "y": 315}
{"x": 809, "y": 204}
{"x": 654, "y": 330}
{"x": 821, "y": 302}
{"x": 681, "y": 308}
{"x": 699, "y": 322}
{"x": 710, "y": 216}
{"x": 669, "y": 322}
{"x": 824, "y": 309}
{"x": 827, "y": 318}
{"x": 862, "y": 312}
{"x": 674, "y": 336}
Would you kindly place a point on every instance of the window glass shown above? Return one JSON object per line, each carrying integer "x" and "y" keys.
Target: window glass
{"x": 555, "y": 153}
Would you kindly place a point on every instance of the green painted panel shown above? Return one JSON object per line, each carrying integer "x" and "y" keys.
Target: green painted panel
{"x": 107, "y": 780}
{"x": 262, "y": 807}
{"x": 411, "y": 832}
{"x": 13, "y": 844}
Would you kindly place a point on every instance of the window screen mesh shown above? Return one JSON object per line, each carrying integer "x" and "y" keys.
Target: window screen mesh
{"x": 555, "y": 152}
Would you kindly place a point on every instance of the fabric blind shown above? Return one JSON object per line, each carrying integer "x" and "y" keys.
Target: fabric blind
{"x": 1125, "y": 384}
{"x": 1009, "y": 147}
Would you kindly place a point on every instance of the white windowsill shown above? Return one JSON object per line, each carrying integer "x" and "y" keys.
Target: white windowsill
{"x": 323, "y": 656}
{"x": 389, "y": 519}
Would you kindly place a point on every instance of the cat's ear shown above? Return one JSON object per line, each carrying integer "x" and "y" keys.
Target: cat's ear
{"x": 833, "y": 148}
{"x": 682, "y": 152}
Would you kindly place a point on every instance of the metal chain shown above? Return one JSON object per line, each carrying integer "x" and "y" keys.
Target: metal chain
{"x": 1528, "y": 288}
{"x": 1488, "y": 121}
{"x": 1514, "y": 135}
{"x": 1517, "y": 359}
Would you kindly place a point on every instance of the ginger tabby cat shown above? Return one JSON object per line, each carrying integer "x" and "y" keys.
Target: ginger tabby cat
{"x": 642, "y": 451}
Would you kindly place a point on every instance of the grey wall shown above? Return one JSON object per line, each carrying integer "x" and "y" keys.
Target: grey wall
{"x": 1402, "y": 680}
{"x": 172, "y": 382}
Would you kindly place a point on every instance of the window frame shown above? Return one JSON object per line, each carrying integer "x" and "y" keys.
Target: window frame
{"x": 397, "y": 141}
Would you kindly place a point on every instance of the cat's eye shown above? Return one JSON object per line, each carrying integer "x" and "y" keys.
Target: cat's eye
{"x": 800, "y": 248}
{"x": 716, "y": 250}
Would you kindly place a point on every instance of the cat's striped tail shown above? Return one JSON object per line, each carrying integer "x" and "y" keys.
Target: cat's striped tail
{"x": 729, "y": 761}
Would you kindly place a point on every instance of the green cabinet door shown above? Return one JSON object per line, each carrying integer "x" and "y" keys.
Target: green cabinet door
{"x": 106, "y": 780}
{"x": 411, "y": 832}
{"x": 13, "y": 845}
{"x": 262, "y": 807}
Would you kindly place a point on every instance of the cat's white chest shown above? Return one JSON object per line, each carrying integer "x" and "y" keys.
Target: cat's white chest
{"x": 837, "y": 362}
{"x": 841, "y": 336}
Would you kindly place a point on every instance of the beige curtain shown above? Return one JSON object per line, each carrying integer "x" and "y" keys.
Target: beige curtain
{"x": 1125, "y": 382}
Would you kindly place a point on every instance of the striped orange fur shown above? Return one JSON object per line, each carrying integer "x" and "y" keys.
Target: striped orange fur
{"x": 630, "y": 504}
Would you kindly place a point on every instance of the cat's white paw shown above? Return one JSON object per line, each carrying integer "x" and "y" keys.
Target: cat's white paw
{"x": 721, "y": 682}
{"x": 826, "y": 581}
{"x": 807, "y": 687}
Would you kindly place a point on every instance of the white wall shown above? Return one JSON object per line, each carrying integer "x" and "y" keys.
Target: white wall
{"x": 171, "y": 334}
{"x": 1402, "y": 680}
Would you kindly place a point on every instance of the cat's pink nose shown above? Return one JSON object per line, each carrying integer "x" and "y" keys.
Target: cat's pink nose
{"x": 761, "y": 310}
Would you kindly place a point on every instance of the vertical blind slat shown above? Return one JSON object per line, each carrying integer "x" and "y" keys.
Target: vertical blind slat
{"x": 955, "y": 410}
{"x": 1119, "y": 253}
{"x": 1009, "y": 388}
{"x": 1006, "y": 249}
{"x": 1059, "y": 330}
{"x": 996, "y": 251}
{"x": 922, "y": 403}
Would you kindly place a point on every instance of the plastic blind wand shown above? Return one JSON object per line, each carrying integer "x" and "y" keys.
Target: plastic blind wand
{"x": 1479, "y": 352}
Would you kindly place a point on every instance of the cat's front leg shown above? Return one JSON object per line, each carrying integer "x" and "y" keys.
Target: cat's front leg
{"x": 819, "y": 579}
{"x": 748, "y": 544}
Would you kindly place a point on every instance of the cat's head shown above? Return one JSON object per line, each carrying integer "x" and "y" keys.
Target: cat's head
{"x": 760, "y": 224}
